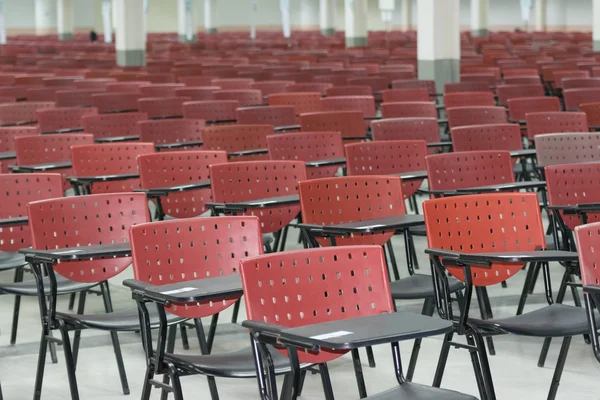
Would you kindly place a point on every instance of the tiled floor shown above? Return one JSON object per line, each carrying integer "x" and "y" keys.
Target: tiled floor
{"x": 514, "y": 367}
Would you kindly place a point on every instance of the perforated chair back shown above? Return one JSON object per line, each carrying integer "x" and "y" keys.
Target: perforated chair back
{"x": 162, "y": 107}
{"x": 567, "y": 148}
{"x": 349, "y": 123}
{"x": 457, "y": 87}
{"x": 469, "y": 169}
{"x": 253, "y": 180}
{"x": 117, "y": 102}
{"x": 18, "y": 190}
{"x": 268, "y": 88}
{"x": 233, "y": 83}
{"x": 308, "y": 146}
{"x": 171, "y": 131}
{"x": 110, "y": 159}
{"x": 565, "y": 74}
{"x": 7, "y": 141}
{"x": 555, "y": 122}
{"x": 469, "y": 99}
{"x": 423, "y": 109}
{"x": 160, "y": 89}
{"x": 42, "y": 149}
{"x": 426, "y": 129}
{"x": 415, "y": 84}
{"x": 377, "y": 83}
{"x": 575, "y": 83}
{"x": 330, "y": 201}
{"x": 197, "y": 93}
{"x": 25, "y": 111}
{"x": 498, "y": 222}
{"x": 406, "y": 95}
{"x": 113, "y": 125}
{"x": 83, "y": 221}
{"x": 272, "y": 115}
{"x": 245, "y": 97}
{"x": 575, "y": 97}
{"x": 592, "y": 112}
{"x": 167, "y": 169}
{"x": 193, "y": 80}
{"x": 518, "y": 108}
{"x": 211, "y": 111}
{"x": 234, "y": 138}
{"x": 349, "y": 90}
{"x": 388, "y": 157}
{"x": 487, "y": 137}
{"x": 365, "y": 104}
{"x": 588, "y": 238}
{"x": 464, "y": 116}
{"x": 302, "y": 102}
{"x": 54, "y": 119}
{"x": 351, "y": 282}
{"x": 94, "y": 83}
{"x": 75, "y": 97}
{"x": 126, "y": 87}
{"x": 507, "y": 92}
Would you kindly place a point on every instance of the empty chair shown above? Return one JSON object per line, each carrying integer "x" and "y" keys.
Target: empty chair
{"x": 377, "y": 83}
{"x": 457, "y": 87}
{"x": 126, "y": 87}
{"x": 278, "y": 116}
{"x": 426, "y": 129}
{"x": 157, "y": 78}
{"x": 241, "y": 142}
{"x": 117, "y": 102}
{"x": 75, "y": 97}
{"x": 197, "y": 93}
{"x": 95, "y": 83}
{"x": 487, "y": 137}
{"x": 567, "y": 148}
{"x": 302, "y": 102}
{"x": 162, "y": 107}
{"x": 217, "y": 111}
{"x": 172, "y": 134}
{"x": 469, "y": 99}
{"x": 244, "y": 97}
{"x": 39, "y": 94}
{"x": 507, "y": 92}
{"x": 123, "y": 126}
{"x": 310, "y": 146}
{"x": 7, "y": 143}
{"x": 580, "y": 83}
{"x": 555, "y": 122}
{"x": 366, "y": 104}
{"x": 406, "y": 95}
{"x": 575, "y": 97}
{"x": 518, "y": 108}
{"x": 268, "y": 88}
{"x": 233, "y": 83}
{"x": 422, "y": 109}
{"x": 160, "y": 89}
{"x": 520, "y": 72}
{"x": 489, "y": 79}
{"x": 558, "y": 76}
{"x": 523, "y": 80}
{"x": 353, "y": 90}
{"x": 349, "y": 123}
{"x": 462, "y": 116}
{"x": 65, "y": 119}
{"x": 309, "y": 87}
{"x": 415, "y": 84}
{"x": 196, "y": 80}
{"x": 592, "y": 112}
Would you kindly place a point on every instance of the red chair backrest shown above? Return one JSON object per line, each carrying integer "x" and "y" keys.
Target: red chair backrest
{"x": 302, "y": 102}
{"x": 171, "y": 130}
{"x": 272, "y": 115}
{"x": 157, "y": 107}
{"x": 575, "y": 97}
{"x": 580, "y": 83}
{"x": 271, "y": 87}
{"x": 592, "y": 112}
{"x": 197, "y": 93}
{"x": 210, "y": 111}
{"x": 160, "y": 89}
{"x": 567, "y": 148}
{"x": 366, "y": 104}
{"x": 555, "y": 122}
{"x": 232, "y": 138}
{"x": 126, "y": 87}
{"x": 426, "y": 129}
{"x": 457, "y": 87}
{"x": 245, "y": 97}
{"x": 41, "y": 149}
{"x": 422, "y": 109}
{"x": 111, "y": 125}
{"x": 518, "y": 108}
{"x": 349, "y": 123}
{"x": 26, "y": 111}
{"x": 406, "y": 95}
{"x": 507, "y": 92}
{"x": 75, "y": 97}
{"x": 354, "y": 90}
{"x": 487, "y": 137}
{"x": 233, "y": 83}
{"x": 587, "y": 242}
{"x": 116, "y": 102}
{"x": 415, "y": 84}
{"x": 463, "y": 116}
{"x": 469, "y": 99}
{"x": 53, "y": 119}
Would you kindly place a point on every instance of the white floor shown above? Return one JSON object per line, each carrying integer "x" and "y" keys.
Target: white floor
{"x": 514, "y": 368}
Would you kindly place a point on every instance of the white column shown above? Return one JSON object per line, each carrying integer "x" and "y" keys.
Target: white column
{"x": 2, "y": 24}
{"x": 253, "y": 19}
{"x": 356, "y": 23}
{"x": 406, "y": 13}
{"x": 327, "y": 17}
{"x": 479, "y": 17}
{"x": 596, "y": 24}
{"x": 114, "y": 15}
{"x": 45, "y": 16}
{"x": 131, "y": 37}
{"x": 65, "y": 19}
{"x": 107, "y": 21}
{"x": 387, "y": 7}
{"x": 210, "y": 16}
{"x": 540, "y": 15}
{"x": 438, "y": 41}
{"x": 185, "y": 19}
{"x": 286, "y": 23}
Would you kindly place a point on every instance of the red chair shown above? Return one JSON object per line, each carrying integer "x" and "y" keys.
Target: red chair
{"x": 302, "y": 102}
{"x": 278, "y": 116}
{"x": 172, "y": 134}
{"x": 217, "y": 111}
{"x": 592, "y": 112}
{"x": 241, "y": 142}
{"x": 197, "y": 93}
{"x": 377, "y": 83}
{"x": 244, "y": 97}
{"x": 356, "y": 90}
{"x": 39, "y": 94}
{"x": 487, "y": 137}
{"x": 520, "y": 107}
{"x": 160, "y": 89}
{"x": 157, "y": 78}
{"x": 409, "y": 110}
{"x": 507, "y": 92}
{"x": 463, "y": 116}
{"x": 574, "y": 97}
{"x": 489, "y": 79}
{"x": 196, "y": 80}
{"x": 309, "y": 146}
{"x": 350, "y": 123}
{"x": 7, "y": 143}
{"x": 555, "y": 122}
{"x": 558, "y": 76}
{"x": 406, "y": 95}
{"x": 580, "y": 83}
{"x": 309, "y": 87}
{"x": 168, "y": 169}
{"x": 520, "y": 72}
{"x": 365, "y": 104}
{"x": 118, "y": 102}
{"x": 523, "y": 80}
{"x": 66, "y": 119}
{"x": 162, "y": 107}
{"x": 457, "y": 87}
{"x": 92, "y": 163}
{"x": 117, "y": 127}
{"x": 268, "y": 88}
{"x": 426, "y": 129}
{"x": 75, "y": 98}
{"x": 567, "y": 148}
{"x": 233, "y": 83}
{"x": 95, "y": 83}
{"x": 469, "y": 99}
{"x": 415, "y": 84}
{"x": 126, "y": 87}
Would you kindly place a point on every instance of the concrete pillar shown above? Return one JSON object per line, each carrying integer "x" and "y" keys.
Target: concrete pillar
{"x": 438, "y": 41}
{"x": 286, "y": 22}
{"x": 210, "y": 16}
{"x": 2, "y": 24}
{"x": 356, "y": 23}
{"x": 114, "y": 15}
{"x": 539, "y": 22}
{"x": 131, "y": 37}
{"x": 253, "y": 19}
{"x": 185, "y": 20}
{"x": 406, "y": 14}
{"x": 45, "y": 16}
{"x": 479, "y": 17}
{"x": 65, "y": 19}
{"x": 327, "y": 17}
{"x": 107, "y": 20}
{"x": 596, "y": 24}
{"x": 387, "y": 7}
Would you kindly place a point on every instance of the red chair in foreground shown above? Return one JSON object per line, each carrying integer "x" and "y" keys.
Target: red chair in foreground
{"x": 21, "y": 113}
{"x": 555, "y": 122}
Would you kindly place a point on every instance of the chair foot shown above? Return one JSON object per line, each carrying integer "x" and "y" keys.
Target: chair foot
{"x": 560, "y": 365}
{"x": 441, "y": 366}
{"x": 15, "y": 322}
{"x": 184, "y": 337}
{"x": 358, "y": 372}
{"x": 66, "y": 342}
{"x": 371, "y": 357}
{"x": 326, "y": 380}
{"x": 428, "y": 308}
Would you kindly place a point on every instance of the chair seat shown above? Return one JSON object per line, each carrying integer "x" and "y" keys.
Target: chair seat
{"x": 29, "y": 287}
{"x": 235, "y": 364}
{"x": 414, "y": 391}
{"x": 556, "y": 320}
{"x": 418, "y": 230}
{"x": 11, "y": 260}
{"x": 419, "y": 286}
{"x": 122, "y": 321}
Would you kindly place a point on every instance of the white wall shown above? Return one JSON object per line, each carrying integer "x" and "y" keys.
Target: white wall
{"x": 20, "y": 17}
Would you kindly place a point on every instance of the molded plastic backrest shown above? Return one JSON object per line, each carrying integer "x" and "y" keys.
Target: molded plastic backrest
{"x": 232, "y": 138}
{"x": 252, "y": 180}
{"x": 575, "y": 83}
{"x": 450, "y": 171}
{"x": 349, "y": 123}
{"x": 116, "y": 102}
{"x": 171, "y": 130}
{"x": 180, "y": 250}
{"x": 588, "y": 240}
{"x": 123, "y": 87}
{"x": 415, "y": 84}
{"x": 83, "y": 221}
{"x": 520, "y": 72}
{"x": 456, "y": 87}
{"x": 365, "y": 104}
{"x": 197, "y": 93}
{"x": 518, "y": 108}
{"x": 75, "y": 97}
{"x": 354, "y": 90}
{"x": 491, "y": 222}
{"x": 303, "y": 287}
{"x": 387, "y": 158}
{"x": 160, "y": 89}
{"x": 308, "y": 87}
{"x": 271, "y": 87}
{"x": 53, "y": 119}
{"x": 487, "y": 137}
{"x": 111, "y": 125}
{"x": 233, "y": 83}
{"x": 196, "y": 80}
{"x": 18, "y": 190}
{"x": 308, "y": 146}
{"x": 330, "y": 201}
{"x": 463, "y": 116}
{"x": 522, "y": 80}
{"x": 245, "y": 97}
{"x": 406, "y": 95}
{"x": 179, "y": 168}
{"x": 38, "y": 94}
{"x": 376, "y": 83}
{"x": 94, "y": 83}
{"x": 506, "y": 92}
{"x": 567, "y": 148}
{"x": 272, "y": 115}
{"x": 556, "y": 122}
{"x": 41, "y": 149}
{"x": 11, "y": 113}
{"x": 302, "y": 102}
{"x": 162, "y": 106}
{"x": 426, "y": 129}
{"x": 560, "y": 75}
{"x": 215, "y": 110}
{"x": 575, "y": 97}
{"x": 468, "y": 99}
{"x": 592, "y": 112}
{"x": 420, "y": 109}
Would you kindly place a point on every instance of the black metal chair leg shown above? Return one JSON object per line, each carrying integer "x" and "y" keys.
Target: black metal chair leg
{"x": 283, "y": 238}
{"x": 441, "y": 366}
{"x": 147, "y": 388}
{"x": 562, "y": 290}
{"x": 39, "y": 376}
{"x": 536, "y": 273}
{"x": 390, "y": 250}
{"x": 413, "y": 252}
{"x": 66, "y": 342}
{"x": 371, "y": 357}
{"x": 236, "y": 310}
{"x": 486, "y": 373}
{"x": 171, "y": 333}
{"x": 15, "y": 322}
{"x": 300, "y": 383}
{"x": 52, "y": 348}
{"x": 72, "y": 301}
{"x": 526, "y": 285}
{"x": 212, "y": 384}
{"x": 428, "y": 308}
{"x": 560, "y": 365}
{"x": 77, "y": 336}
{"x": 358, "y": 372}
{"x": 212, "y": 330}
{"x": 475, "y": 361}
{"x": 176, "y": 385}
{"x": 326, "y": 380}
{"x": 483, "y": 308}
{"x": 184, "y": 337}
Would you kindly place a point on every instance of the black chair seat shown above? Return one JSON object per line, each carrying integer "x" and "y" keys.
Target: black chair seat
{"x": 419, "y": 286}
{"x": 235, "y": 364}
{"x": 122, "y": 321}
{"x": 414, "y": 391}
{"x": 556, "y": 320}
{"x": 29, "y": 287}
{"x": 11, "y": 260}
{"x": 418, "y": 230}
